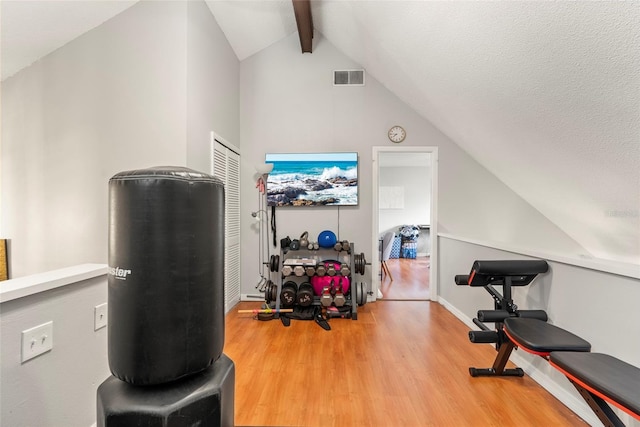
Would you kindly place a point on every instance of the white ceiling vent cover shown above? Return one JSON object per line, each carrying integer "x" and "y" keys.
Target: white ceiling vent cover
{"x": 348, "y": 78}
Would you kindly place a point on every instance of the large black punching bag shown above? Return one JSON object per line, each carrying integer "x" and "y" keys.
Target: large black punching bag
{"x": 166, "y": 273}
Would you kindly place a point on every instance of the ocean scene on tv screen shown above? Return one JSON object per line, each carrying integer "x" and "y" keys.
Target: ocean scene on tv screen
{"x": 316, "y": 179}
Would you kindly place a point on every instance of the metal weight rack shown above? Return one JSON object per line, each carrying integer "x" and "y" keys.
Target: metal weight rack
{"x": 304, "y": 257}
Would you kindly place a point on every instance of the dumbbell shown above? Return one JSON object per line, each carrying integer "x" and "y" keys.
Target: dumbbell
{"x": 345, "y": 270}
{"x": 287, "y": 270}
{"x": 304, "y": 297}
{"x": 321, "y": 270}
{"x": 298, "y": 270}
{"x": 338, "y": 299}
{"x": 310, "y": 271}
{"x": 288, "y": 293}
{"x": 331, "y": 269}
{"x": 343, "y": 245}
{"x": 326, "y": 299}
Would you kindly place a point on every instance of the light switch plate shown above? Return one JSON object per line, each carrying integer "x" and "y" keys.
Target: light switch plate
{"x": 37, "y": 340}
{"x": 99, "y": 316}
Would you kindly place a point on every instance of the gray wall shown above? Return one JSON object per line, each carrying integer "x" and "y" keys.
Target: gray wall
{"x": 597, "y": 306}
{"x": 143, "y": 89}
{"x": 57, "y": 388}
{"x": 288, "y": 104}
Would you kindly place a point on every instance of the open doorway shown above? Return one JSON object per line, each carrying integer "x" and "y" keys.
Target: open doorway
{"x": 404, "y": 203}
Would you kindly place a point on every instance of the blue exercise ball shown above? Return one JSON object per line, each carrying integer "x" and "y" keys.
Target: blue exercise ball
{"x": 326, "y": 239}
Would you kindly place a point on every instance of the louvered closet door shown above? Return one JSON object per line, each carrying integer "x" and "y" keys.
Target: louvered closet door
{"x": 226, "y": 166}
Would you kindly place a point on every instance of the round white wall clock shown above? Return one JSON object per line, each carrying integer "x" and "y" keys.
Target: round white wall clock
{"x": 397, "y": 134}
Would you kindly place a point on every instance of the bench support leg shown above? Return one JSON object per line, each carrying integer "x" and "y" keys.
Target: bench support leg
{"x": 498, "y": 370}
{"x": 599, "y": 407}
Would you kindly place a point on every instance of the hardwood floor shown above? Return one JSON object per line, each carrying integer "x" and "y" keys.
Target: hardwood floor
{"x": 410, "y": 279}
{"x": 402, "y": 363}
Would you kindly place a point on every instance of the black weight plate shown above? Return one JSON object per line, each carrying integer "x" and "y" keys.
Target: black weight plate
{"x": 362, "y": 295}
{"x": 274, "y": 263}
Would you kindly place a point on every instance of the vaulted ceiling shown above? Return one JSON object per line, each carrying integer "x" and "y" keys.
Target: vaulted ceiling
{"x": 546, "y": 95}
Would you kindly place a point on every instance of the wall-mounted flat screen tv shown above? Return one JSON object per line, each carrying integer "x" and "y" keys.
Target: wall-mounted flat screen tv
{"x": 313, "y": 179}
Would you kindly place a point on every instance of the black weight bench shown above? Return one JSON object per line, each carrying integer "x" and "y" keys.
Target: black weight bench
{"x": 510, "y": 273}
{"x": 600, "y": 378}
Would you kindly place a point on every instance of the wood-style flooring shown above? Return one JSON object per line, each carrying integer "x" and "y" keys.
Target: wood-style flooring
{"x": 402, "y": 363}
{"x": 410, "y": 279}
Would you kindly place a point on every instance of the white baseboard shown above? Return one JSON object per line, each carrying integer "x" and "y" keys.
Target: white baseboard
{"x": 577, "y": 405}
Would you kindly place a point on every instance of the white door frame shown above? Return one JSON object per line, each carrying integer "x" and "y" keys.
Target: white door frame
{"x": 433, "y": 234}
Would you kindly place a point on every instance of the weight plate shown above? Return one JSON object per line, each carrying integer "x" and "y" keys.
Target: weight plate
{"x": 274, "y": 263}
{"x": 361, "y": 297}
{"x": 360, "y": 262}
{"x": 267, "y": 292}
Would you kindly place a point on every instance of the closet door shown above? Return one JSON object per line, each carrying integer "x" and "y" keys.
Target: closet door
{"x": 226, "y": 166}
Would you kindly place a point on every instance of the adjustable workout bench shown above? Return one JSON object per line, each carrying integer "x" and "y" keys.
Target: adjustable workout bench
{"x": 599, "y": 378}
{"x": 507, "y": 274}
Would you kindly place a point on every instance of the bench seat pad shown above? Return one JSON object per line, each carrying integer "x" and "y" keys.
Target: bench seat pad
{"x": 612, "y": 379}
{"x": 538, "y": 337}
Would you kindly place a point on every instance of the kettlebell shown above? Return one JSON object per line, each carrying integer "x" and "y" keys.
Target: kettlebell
{"x": 304, "y": 240}
{"x": 285, "y": 242}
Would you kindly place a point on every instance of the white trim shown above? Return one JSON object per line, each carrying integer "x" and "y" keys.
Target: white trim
{"x": 217, "y": 137}
{"x": 619, "y": 268}
{"x": 230, "y": 157}
{"x": 36, "y": 283}
{"x": 375, "y": 264}
{"x": 578, "y": 406}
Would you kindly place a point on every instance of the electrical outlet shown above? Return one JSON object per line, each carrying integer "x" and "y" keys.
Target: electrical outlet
{"x": 99, "y": 316}
{"x": 37, "y": 340}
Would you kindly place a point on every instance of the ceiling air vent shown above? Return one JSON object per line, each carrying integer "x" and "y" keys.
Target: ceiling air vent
{"x": 348, "y": 78}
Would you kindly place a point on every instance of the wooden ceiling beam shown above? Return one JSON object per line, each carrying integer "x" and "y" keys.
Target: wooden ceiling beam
{"x": 302, "y": 10}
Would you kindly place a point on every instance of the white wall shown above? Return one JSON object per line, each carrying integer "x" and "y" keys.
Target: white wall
{"x": 135, "y": 92}
{"x": 213, "y": 96}
{"x": 57, "y": 388}
{"x": 416, "y": 184}
{"x": 597, "y": 306}
{"x": 288, "y": 104}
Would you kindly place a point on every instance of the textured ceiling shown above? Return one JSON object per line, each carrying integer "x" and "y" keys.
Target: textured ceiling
{"x": 546, "y": 95}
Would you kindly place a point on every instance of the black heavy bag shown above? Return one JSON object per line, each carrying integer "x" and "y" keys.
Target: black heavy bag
{"x": 166, "y": 274}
